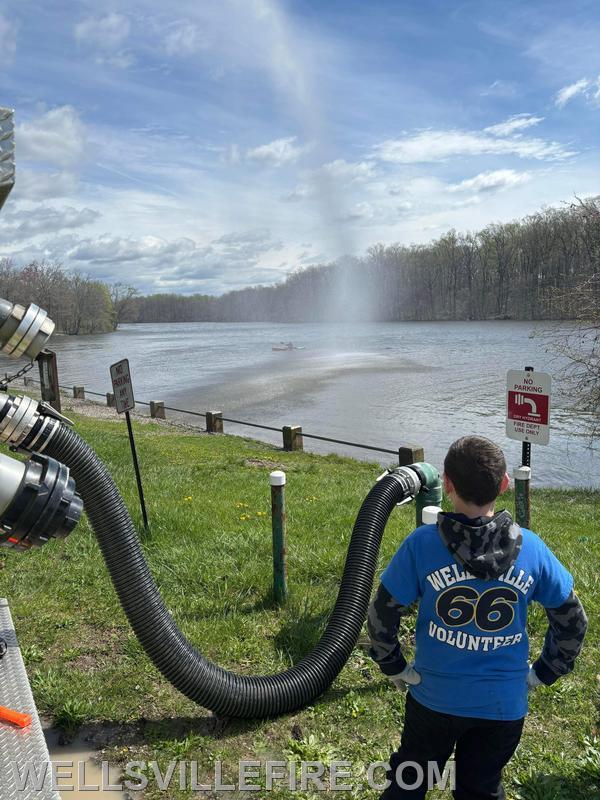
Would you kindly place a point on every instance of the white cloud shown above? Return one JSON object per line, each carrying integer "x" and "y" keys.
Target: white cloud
{"x": 107, "y": 249}
{"x": 437, "y": 145}
{"x": 491, "y": 181}
{"x": 588, "y": 89}
{"x": 41, "y": 185}
{"x": 500, "y": 88}
{"x": 57, "y": 137}
{"x": 569, "y": 92}
{"x": 106, "y": 36}
{"x": 513, "y": 124}
{"x": 24, "y": 224}
{"x": 300, "y": 192}
{"x": 184, "y": 39}
{"x": 8, "y": 40}
{"x": 157, "y": 263}
{"x": 256, "y": 236}
{"x": 347, "y": 171}
{"x": 278, "y": 152}
{"x": 339, "y": 171}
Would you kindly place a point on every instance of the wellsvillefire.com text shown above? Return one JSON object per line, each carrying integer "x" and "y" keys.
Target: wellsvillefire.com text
{"x": 249, "y": 776}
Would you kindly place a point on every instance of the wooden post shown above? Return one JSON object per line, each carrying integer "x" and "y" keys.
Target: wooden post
{"x": 278, "y": 525}
{"x": 292, "y": 437}
{"x": 410, "y": 454}
{"x": 214, "y": 422}
{"x": 49, "y": 378}
{"x": 79, "y": 392}
{"x": 110, "y": 400}
{"x": 157, "y": 409}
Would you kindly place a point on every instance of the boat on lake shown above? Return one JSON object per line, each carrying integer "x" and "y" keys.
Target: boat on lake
{"x": 285, "y": 346}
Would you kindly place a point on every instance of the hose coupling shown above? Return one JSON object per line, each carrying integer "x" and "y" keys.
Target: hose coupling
{"x": 38, "y": 502}
{"x": 409, "y": 479}
{"x": 26, "y": 424}
{"x": 24, "y": 331}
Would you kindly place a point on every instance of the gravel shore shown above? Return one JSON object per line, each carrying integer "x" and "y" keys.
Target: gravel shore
{"x": 99, "y": 410}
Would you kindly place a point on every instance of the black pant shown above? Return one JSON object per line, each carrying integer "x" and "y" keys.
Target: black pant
{"x": 483, "y": 748}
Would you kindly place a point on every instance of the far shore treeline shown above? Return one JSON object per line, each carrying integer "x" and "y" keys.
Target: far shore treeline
{"x": 515, "y": 270}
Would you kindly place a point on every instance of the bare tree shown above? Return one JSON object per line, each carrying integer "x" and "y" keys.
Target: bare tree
{"x": 578, "y": 340}
{"x": 122, "y": 297}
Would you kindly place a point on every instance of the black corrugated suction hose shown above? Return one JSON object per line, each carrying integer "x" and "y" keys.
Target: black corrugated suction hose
{"x": 214, "y": 688}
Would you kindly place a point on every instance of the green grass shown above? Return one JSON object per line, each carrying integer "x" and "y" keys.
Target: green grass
{"x": 209, "y": 549}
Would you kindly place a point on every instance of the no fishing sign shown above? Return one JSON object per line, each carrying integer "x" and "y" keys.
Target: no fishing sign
{"x": 528, "y": 406}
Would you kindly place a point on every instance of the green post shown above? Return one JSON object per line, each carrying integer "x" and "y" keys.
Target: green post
{"x": 431, "y": 492}
{"x": 278, "y": 524}
{"x": 522, "y": 476}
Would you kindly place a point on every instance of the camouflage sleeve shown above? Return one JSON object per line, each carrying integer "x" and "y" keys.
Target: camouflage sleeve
{"x": 383, "y": 623}
{"x": 563, "y": 642}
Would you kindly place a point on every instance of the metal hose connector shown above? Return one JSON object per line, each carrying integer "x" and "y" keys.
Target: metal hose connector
{"x": 7, "y": 154}
{"x": 25, "y": 423}
{"x": 25, "y": 331}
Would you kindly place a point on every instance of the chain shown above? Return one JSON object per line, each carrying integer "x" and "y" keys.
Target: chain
{"x": 10, "y": 378}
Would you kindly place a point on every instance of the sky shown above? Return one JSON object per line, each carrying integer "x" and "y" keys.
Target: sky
{"x": 205, "y": 146}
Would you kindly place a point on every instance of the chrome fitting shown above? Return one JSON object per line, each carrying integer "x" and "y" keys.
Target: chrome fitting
{"x": 25, "y": 331}
{"x": 409, "y": 479}
{"x": 7, "y": 154}
{"x": 24, "y": 424}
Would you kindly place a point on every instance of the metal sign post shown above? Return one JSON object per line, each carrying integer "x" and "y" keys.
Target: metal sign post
{"x": 120, "y": 376}
{"x": 527, "y": 421}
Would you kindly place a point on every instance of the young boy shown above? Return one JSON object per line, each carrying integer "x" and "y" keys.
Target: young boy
{"x": 474, "y": 575}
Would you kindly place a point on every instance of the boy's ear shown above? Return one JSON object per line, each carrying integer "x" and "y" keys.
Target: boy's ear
{"x": 447, "y": 484}
{"x": 505, "y": 483}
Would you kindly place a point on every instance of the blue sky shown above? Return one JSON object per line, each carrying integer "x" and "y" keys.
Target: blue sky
{"x": 204, "y": 146}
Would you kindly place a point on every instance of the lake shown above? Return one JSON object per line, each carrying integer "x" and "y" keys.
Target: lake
{"x": 383, "y": 384}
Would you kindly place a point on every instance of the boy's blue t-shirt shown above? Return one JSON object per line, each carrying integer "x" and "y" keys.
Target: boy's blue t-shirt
{"x": 471, "y": 641}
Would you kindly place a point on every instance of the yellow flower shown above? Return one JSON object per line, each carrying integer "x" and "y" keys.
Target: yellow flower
{"x": 261, "y": 513}
{"x": 245, "y": 516}
{"x": 241, "y": 505}
{"x": 187, "y": 499}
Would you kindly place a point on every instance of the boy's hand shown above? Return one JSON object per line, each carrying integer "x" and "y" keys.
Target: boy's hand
{"x": 532, "y": 680}
{"x": 408, "y": 677}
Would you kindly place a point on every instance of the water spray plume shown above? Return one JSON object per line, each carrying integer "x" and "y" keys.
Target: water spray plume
{"x": 350, "y": 296}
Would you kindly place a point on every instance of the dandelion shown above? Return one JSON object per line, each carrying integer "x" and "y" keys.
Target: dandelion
{"x": 245, "y": 516}
{"x": 311, "y": 499}
{"x": 241, "y": 505}
{"x": 261, "y": 513}
{"x": 187, "y": 499}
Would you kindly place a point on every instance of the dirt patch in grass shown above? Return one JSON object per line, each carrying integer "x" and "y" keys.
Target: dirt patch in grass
{"x": 262, "y": 463}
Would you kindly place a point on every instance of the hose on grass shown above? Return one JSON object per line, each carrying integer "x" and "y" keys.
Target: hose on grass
{"x": 217, "y": 689}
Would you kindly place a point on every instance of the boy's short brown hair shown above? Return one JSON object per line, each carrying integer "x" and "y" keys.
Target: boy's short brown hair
{"x": 476, "y": 467}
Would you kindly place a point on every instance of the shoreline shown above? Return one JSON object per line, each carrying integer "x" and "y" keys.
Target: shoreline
{"x": 97, "y": 410}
